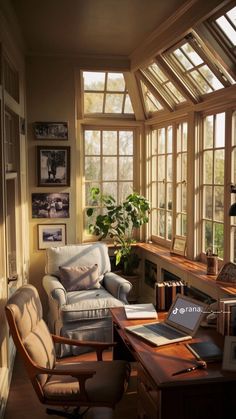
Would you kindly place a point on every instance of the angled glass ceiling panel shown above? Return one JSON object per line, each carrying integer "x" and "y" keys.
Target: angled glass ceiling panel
{"x": 161, "y": 78}
{"x": 151, "y": 103}
{"x": 190, "y": 60}
{"x": 105, "y": 93}
{"x": 227, "y": 24}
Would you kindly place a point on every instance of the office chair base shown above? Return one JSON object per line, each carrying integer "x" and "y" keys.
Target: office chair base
{"x": 75, "y": 414}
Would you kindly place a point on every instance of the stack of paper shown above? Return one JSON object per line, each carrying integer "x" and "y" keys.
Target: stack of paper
{"x": 140, "y": 311}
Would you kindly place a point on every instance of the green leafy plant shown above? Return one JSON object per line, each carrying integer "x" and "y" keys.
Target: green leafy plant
{"x": 119, "y": 223}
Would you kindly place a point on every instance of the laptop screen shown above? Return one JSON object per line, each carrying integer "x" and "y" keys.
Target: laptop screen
{"x": 185, "y": 313}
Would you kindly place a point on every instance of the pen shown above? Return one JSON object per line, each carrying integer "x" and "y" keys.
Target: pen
{"x": 200, "y": 365}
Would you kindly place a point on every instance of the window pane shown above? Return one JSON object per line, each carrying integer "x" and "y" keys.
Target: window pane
{"x": 184, "y": 197}
{"x": 208, "y": 166}
{"x": 169, "y": 168}
{"x": 185, "y": 136}
{"x": 192, "y": 55}
{"x": 227, "y": 28}
{"x": 154, "y": 222}
{"x": 161, "y": 141}
{"x": 90, "y": 220}
{"x": 128, "y": 105}
{"x": 210, "y": 77}
{"x": 208, "y": 132}
{"x": 169, "y": 196}
{"x": 92, "y": 168}
{"x": 126, "y": 142}
{"x": 182, "y": 59}
{"x": 219, "y": 203}
{"x": 207, "y": 194}
{"x": 161, "y": 222}
{"x": 169, "y": 226}
{"x": 88, "y": 200}
{"x": 208, "y": 235}
{"x": 219, "y": 239}
{"x": 154, "y": 195}
{"x": 169, "y": 140}
{"x": 161, "y": 168}
{"x": 154, "y": 141}
{"x": 92, "y": 142}
{"x": 110, "y": 188}
{"x": 125, "y": 189}
{"x": 115, "y": 82}
{"x": 113, "y": 103}
{"x": 219, "y": 166}
{"x": 93, "y": 102}
{"x": 200, "y": 82}
{"x": 109, "y": 142}
{"x": 125, "y": 168}
{"x": 220, "y": 130}
{"x": 109, "y": 168}
{"x": 161, "y": 195}
{"x": 154, "y": 168}
{"x": 93, "y": 80}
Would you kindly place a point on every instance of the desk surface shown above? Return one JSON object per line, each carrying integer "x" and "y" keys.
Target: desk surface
{"x": 161, "y": 362}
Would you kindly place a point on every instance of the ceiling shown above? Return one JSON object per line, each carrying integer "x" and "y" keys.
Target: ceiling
{"x": 89, "y": 27}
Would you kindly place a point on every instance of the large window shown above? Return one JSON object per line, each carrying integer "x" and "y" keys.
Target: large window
{"x": 169, "y": 194}
{"x": 108, "y": 163}
{"x": 213, "y": 158}
{"x": 105, "y": 93}
{"x": 162, "y": 182}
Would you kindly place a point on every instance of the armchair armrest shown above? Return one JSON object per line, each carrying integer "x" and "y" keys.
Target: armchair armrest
{"x": 117, "y": 286}
{"x": 54, "y": 289}
{"x": 99, "y": 347}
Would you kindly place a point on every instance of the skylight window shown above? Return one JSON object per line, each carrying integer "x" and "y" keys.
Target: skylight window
{"x": 151, "y": 103}
{"x": 190, "y": 61}
{"x": 105, "y": 93}
{"x": 164, "y": 87}
{"x": 227, "y": 24}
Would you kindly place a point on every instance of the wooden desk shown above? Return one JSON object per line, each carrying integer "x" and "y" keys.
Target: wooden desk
{"x": 208, "y": 393}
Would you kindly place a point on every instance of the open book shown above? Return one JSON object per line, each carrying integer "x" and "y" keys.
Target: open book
{"x": 140, "y": 311}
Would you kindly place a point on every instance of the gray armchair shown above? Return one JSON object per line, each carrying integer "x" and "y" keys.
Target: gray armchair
{"x": 82, "y": 314}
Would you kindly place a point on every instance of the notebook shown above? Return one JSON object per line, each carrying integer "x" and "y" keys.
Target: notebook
{"x": 207, "y": 351}
{"x": 140, "y": 311}
{"x": 182, "y": 322}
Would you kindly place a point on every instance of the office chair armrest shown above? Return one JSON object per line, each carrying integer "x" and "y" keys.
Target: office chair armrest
{"x": 99, "y": 347}
{"x": 118, "y": 286}
{"x": 81, "y": 376}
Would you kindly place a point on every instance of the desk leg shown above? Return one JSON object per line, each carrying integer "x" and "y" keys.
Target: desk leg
{"x": 121, "y": 350}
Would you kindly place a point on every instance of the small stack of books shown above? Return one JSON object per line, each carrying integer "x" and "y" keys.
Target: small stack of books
{"x": 166, "y": 292}
{"x": 226, "y": 321}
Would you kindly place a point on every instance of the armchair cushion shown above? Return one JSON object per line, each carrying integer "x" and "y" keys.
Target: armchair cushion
{"x": 88, "y": 304}
{"x": 78, "y": 278}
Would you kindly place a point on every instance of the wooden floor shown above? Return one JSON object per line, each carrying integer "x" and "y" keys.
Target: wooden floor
{"x": 23, "y": 403}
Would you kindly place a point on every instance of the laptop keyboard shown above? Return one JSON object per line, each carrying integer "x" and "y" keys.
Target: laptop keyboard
{"x": 165, "y": 331}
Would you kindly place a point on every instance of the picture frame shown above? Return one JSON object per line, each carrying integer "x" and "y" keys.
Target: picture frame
{"x": 227, "y": 273}
{"x": 53, "y": 166}
{"x": 51, "y": 235}
{"x": 178, "y": 246}
{"x": 50, "y": 205}
{"x": 50, "y": 130}
{"x": 229, "y": 356}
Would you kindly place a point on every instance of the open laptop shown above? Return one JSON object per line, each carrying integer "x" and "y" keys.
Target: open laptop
{"x": 182, "y": 322}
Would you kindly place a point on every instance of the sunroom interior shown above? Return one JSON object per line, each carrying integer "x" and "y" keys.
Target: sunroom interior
{"x": 147, "y": 92}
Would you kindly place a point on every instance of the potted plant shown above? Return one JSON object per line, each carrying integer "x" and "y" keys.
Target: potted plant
{"x": 119, "y": 224}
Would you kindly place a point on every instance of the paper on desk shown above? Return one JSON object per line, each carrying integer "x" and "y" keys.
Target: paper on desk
{"x": 140, "y": 311}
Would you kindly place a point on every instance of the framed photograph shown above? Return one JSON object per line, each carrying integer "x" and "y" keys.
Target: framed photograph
{"x": 50, "y": 205}
{"x": 53, "y": 166}
{"x": 51, "y": 235}
{"x": 229, "y": 357}
{"x": 51, "y": 130}
{"x": 227, "y": 273}
{"x": 178, "y": 245}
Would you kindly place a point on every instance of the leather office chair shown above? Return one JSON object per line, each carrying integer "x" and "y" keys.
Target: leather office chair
{"x": 69, "y": 382}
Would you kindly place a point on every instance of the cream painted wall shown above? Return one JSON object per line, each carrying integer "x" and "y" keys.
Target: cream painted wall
{"x": 50, "y": 97}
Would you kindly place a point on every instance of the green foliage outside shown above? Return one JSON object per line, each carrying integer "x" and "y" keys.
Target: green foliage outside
{"x": 119, "y": 224}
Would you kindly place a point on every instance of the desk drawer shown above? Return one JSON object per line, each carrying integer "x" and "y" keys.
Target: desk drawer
{"x": 148, "y": 396}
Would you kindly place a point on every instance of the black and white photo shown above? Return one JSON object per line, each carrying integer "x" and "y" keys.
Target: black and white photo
{"x": 53, "y": 165}
{"x": 51, "y": 130}
{"x": 50, "y": 205}
{"x": 51, "y": 235}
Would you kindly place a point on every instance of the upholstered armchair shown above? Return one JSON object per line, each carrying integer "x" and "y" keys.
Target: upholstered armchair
{"x": 68, "y": 383}
{"x": 81, "y": 289}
